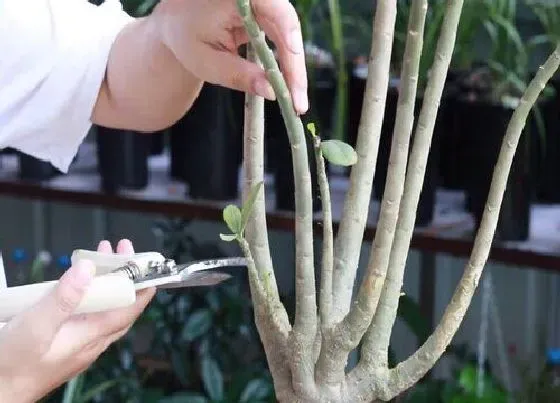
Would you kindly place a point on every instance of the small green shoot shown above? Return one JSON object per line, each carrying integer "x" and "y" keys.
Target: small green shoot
{"x": 237, "y": 219}
{"x": 232, "y": 217}
{"x": 311, "y": 128}
{"x": 338, "y": 152}
{"x": 335, "y": 151}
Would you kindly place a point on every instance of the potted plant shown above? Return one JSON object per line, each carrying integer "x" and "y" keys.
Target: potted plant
{"x": 434, "y": 20}
{"x": 34, "y": 169}
{"x": 452, "y": 170}
{"x": 494, "y": 92}
{"x": 206, "y": 144}
{"x": 308, "y": 356}
{"x": 548, "y": 184}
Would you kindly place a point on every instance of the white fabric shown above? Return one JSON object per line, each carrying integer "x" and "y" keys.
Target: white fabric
{"x": 53, "y": 57}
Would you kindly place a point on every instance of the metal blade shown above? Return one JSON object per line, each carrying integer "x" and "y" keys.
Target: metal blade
{"x": 194, "y": 274}
{"x": 207, "y": 264}
{"x": 179, "y": 281}
{"x": 199, "y": 280}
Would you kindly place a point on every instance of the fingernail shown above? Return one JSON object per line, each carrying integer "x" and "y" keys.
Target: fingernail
{"x": 264, "y": 89}
{"x": 296, "y": 42}
{"x": 301, "y": 102}
{"x": 124, "y": 246}
{"x": 85, "y": 271}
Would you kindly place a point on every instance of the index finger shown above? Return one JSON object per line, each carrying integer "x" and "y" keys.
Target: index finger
{"x": 280, "y": 22}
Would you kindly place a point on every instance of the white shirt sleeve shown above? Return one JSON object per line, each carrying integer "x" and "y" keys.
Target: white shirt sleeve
{"x": 54, "y": 55}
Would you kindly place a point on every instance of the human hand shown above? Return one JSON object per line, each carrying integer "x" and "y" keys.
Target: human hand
{"x": 205, "y": 35}
{"x": 47, "y": 345}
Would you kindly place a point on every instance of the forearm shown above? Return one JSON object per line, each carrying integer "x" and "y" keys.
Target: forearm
{"x": 145, "y": 87}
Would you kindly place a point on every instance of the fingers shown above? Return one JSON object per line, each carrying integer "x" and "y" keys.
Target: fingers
{"x": 284, "y": 18}
{"x": 230, "y": 70}
{"x": 280, "y": 22}
{"x": 105, "y": 324}
{"x": 88, "y": 335}
{"x": 125, "y": 247}
{"x": 59, "y": 305}
{"x": 108, "y": 323}
{"x": 104, "y": 247}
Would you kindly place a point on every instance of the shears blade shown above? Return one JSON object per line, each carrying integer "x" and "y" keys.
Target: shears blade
{"x": 193, "y": 274}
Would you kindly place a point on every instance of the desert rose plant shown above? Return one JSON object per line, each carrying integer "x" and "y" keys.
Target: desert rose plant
{"x": 308, "y": 358}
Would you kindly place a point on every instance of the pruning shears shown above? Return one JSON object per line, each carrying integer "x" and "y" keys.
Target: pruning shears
{"x": 118, "y": 277}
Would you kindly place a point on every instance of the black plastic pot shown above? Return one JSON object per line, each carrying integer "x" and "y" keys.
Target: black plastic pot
{"x": 426, "y": 203}
{"x": 34, "y": 169}
{"x": 322, "y": 95}
{"x": 451, "y": 162}
{"x": 486, "y": 124}
{"x": 210, "y": 150}
{"x": 280, "y": 151}
{"x": 548, "y": 168}
{"x": 178, "y": 148}
{"x": 158, "y": 143}
{"x": 356, "y": 90}
{"x": 452, "y": 169}
{"x": 8, "y": 151}
{"x": 122, "y": 158}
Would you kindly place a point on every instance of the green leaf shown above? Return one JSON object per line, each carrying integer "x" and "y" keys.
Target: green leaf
{"x": 409, "y": 311}
{"x": 213, "y": 379}
{"x": 151, "y": 395}
{"x": 339, "y": 153}
{"x": 228, "y": 237}
{"x": 428, "y": 391}
{"x": 256, "y": 389}
{"x": 145, "y": 7}
{"x": 179, "y": 365}
{"x": 249, "y": 203}
{"x": 213, "y": 300}
{"x": 311, "y": 128}
{"x": 102, "y": 387}
{"x": 73, "y": 389}
{"x": 197, "y": 325}
{"x": 232, "y": 217}
{"x": 184, "y": 398}
{"x": 467, "y": 378}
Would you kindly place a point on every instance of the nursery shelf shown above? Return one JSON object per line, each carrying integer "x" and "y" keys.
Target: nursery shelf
{"x": 450, "y": 232}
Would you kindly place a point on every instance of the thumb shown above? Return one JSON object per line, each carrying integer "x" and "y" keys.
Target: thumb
{"x": 59, "y": 305}
{"x": 232, "y": 71}
{"x": 31, "y": 333}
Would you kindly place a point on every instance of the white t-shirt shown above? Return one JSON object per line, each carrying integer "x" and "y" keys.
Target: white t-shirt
{"x": 53, "y": 57}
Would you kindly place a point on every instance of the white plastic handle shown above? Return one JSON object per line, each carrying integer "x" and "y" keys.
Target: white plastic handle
{"x": 104, "y": 293}
{"x": 107, "y": 262}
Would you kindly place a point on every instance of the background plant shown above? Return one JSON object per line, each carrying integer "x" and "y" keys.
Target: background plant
{"x": 434, "y": 19}
{"x": 548, "y": 15}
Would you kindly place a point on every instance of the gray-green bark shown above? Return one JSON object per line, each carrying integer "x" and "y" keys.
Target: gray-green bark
{"x": 325, "y": 308}
{"x": 357, "y": 321}
{"x": 353, "y": 221}
{"x": 270, "y": 316}
{"x": 307, "y": 361}
{"x": 376, "y": 342}
{"x": 302, "y": 336}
